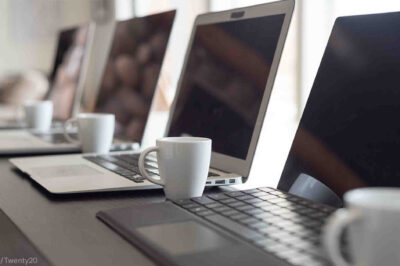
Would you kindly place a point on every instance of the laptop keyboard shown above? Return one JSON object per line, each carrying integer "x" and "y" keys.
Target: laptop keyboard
{"x": 279, "y": 223}
{"x": 127, "y": 165}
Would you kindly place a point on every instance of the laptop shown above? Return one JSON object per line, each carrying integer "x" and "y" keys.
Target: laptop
{"x": 129, "y": 79}
{"x": 208, "y": 103}
{"x": 67, "y": 81}
{"x": 129, "y": 82}
{"x": 348, "y": 137}
{"x": 66, "y": 77}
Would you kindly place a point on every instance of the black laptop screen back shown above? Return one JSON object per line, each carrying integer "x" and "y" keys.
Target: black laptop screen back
{"x": 132, "y": 71}
{"x": 349, "y": 134}
{"x": 224, "y": 81}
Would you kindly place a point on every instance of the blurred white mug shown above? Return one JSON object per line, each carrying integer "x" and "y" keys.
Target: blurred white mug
{"x": 183, "y": 164}
{"x": 38, "y": 114}
{"x": 372, "y": 217}
{"x": 95, "y": 131}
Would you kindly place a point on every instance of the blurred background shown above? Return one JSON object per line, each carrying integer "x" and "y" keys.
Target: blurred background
{"x": 28, "y": 36}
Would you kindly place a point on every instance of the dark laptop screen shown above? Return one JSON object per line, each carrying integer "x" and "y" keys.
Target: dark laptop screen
{"x": 64, "y": 78}
{"x": 224, "y": 82}
{"x": 132, "y": 70}
{"x": 349, "y": 134}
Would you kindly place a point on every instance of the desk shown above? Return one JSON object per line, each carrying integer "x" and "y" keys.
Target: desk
{"x": 65, "y": 228}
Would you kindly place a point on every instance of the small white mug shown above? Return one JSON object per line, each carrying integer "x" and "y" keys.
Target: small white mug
{"x": 95, "y": 131}
{"x": 183, "y": 164}
{"x": 372, "y": 216}
{"x": 38, "y": 114}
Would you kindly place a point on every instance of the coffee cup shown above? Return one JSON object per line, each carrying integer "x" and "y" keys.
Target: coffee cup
{"x": 38, "y": 114}
{"x": 372, "y": 219}
{"x": 183, "y": 165}
{"x": 95, "y": 131}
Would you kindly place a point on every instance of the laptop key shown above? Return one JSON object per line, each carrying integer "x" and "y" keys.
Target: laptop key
{"x": 254, "y": 200}
{"x": 249, "y": 221}
{"x": 231, "y": 212}
{"x": 235, "y": 194}
{"x": 264, "y": 215}
{"x": 222, "y": 209}
{"x": 244, "y": 207}
{"x": 261, "y": 204}
{"x": 258, "y": 225}
{"x": 190, "y": 206}
{"x": 244, "y": 197}
{"x": 205, "y": 213}
{"x": 266, "y": 242}
{"x": 183, "y": 201}
{"x": 214, "y": 205}
{"x": 253, "y": 211}
{"x": 267, "y": 189}
{"x": 251, "y": 191}
{"x": 203, "y": 200}
{"x": 218, "y": 196}
{"x": 234, "y": 227}
{"x": 240, "y": 216}
{"x": 198, "y": 209}
{"x": 236, "y": 204}
{"x": 269, "y": 229}
{"x": 227, "y": 201}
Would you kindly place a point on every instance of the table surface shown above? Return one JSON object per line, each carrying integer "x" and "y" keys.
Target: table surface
{"x": 64, "y": 227}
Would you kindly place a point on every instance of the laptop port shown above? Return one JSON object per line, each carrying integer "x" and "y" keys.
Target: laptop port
{"x": 208, "y": 183}
{"x": 232, "y": 181}
{"x": 219, "y": 182}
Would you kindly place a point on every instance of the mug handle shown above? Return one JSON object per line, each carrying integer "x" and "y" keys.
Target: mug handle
{"x": 333, "y": 230}
{"x": 142, "y": 168}
{"x": 67, "y": 125}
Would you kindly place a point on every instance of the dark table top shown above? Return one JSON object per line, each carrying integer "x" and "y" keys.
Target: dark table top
{"x": 64, "y": 228}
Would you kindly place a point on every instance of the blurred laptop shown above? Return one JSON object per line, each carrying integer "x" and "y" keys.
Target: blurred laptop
{"x": 131, "y": 72}
{"x": 67, "y": 84}
{"x": 66, "y": 78}
{"x": 348, "y": 137}
{"x": 223, "y": 92}
{"x": 128, "y": 84}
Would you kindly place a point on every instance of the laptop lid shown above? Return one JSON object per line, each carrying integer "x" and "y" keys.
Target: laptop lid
{"x": 66, "y": 78}
{"x": 132, "y": 70}
{"x": 349, "y": 134}
{"x": 227, "y": 78}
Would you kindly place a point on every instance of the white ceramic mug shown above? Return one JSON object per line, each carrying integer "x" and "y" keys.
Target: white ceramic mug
{"x": 95, "y": 131}
{"x": 372, "y": 217}
{"x": 183, "y": 164}
{"x": 38, "y": 114}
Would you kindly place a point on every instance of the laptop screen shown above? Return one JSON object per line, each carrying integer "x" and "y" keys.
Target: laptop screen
{"x": 349, "y": 134}
{"x": 224, "y": 80}
{"x": 64, "y": 78}
{"x": 132, "y": 70}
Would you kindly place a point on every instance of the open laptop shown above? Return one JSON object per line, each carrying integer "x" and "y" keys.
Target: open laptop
{"x": 128, "y": 84}
{"x": 348, "y": 137}
{"x": 66, "y": 77}
{"x": 67, "y": 82}
{"x": 222, "y": 94}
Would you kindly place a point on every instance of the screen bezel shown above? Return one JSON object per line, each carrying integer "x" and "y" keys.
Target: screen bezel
{"x": 218, "y": 160}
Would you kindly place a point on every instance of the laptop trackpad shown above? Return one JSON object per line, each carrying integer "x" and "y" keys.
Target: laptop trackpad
{"x": 197, "y": 237}
{"x": 65, "y": 170}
